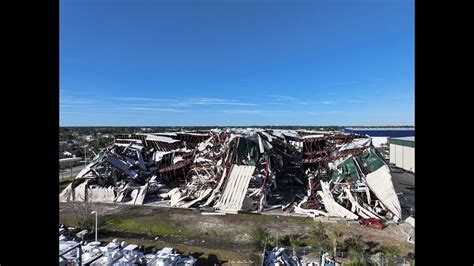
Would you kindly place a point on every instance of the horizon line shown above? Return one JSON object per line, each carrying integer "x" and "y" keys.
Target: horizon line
{"x": 242, "y": 126}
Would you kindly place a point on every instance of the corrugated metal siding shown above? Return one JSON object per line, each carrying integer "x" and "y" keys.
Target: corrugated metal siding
{"x": 399, "y": 156}
{"x": 392, "y": 153}
{"x": 236, "y": 187}
{"x": 403, "y": 156}
{"x": 409, "y": 159}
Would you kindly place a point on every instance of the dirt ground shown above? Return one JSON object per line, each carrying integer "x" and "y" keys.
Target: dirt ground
{"x": 205, "y": 255}
{"x": 229, "y": 228}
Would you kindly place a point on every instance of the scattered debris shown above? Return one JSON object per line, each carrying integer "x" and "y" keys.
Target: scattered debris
{"x": 409, "y": 229}
{"x": 372, "y": 222}
{"x": 234, "y": 170}
{"x": 326, "y": 260}
{"x": 280, "y": 256}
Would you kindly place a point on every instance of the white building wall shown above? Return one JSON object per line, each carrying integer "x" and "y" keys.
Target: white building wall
{"x": 403, "y": 157}
{"x": 393, "y": 152}
{"x": 399, "y": 156}
{"x": 409, "y": 159}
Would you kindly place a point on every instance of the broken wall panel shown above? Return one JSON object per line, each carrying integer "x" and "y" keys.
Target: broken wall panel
{"x": 235, "y": 189}
{"x": 380, "y": 183}
{"x": 334, "y": 208}
{"x": 101, "y": 194}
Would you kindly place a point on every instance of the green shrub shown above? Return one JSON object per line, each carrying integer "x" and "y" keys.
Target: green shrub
{"x": 259, "y": 237}
{"x": 295, "y": 241}
{"x": 318, "y": 238}
{"x": 356, "y": 261}
{"x": 284, "y": 241}
{"x": 391, "y": 251}
{"x": 354, "y": 245}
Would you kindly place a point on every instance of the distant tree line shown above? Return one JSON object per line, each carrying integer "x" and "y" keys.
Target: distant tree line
{"x": 129, "y": 130}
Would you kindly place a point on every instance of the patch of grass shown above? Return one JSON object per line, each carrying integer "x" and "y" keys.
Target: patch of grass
{"x": 122, "y": 224}
{"x": 391, "y": 250}
{"x": 259, "y": 238}
{"x": 212, "y": 233}
{"x": 169, "y": 221}
{"x": 143, "y": 225}
{"x": 68, "y": 219}
{"x": 66, "y": 179}
{"x": 356, "y": 261}
{"x": 206, "y": 256}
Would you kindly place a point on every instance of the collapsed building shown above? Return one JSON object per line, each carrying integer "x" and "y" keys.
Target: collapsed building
{"x": 232, "y": 170}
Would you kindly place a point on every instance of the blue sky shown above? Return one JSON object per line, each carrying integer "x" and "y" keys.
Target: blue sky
{"x": 229, "y": 62}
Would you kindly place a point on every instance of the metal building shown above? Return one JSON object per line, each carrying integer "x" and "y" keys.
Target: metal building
{"x": 402, "y": 152}
{"x": 380, "y": 135}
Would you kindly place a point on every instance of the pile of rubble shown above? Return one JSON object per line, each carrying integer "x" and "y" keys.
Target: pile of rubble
{"x": 280, "y": 256}
{"x": 308, "y": 172}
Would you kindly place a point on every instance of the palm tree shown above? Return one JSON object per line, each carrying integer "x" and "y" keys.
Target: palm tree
{"x": 358, "y": 244}
{"x": 295, "y": 241}
{"x": 319, "y": 238}
{"x": 259, "y": 237}
{"x": 336, "y": 237}
{"x": 371, "y": 245}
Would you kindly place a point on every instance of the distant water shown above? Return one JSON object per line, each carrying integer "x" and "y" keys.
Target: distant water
{"x": 384, "y": 133}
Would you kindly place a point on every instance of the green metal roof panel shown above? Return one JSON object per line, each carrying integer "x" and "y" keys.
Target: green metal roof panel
{"x": 99, "y": 158}
{"x": 335, "y": 175}
{"x": 360, "y": 162}
{"x": 349, "y": 169}
{"x": 374, "y": 162}
{"x": 247, "y": 146}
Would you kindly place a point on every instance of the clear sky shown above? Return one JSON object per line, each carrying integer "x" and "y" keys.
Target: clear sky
{"x": 236, "y": 62}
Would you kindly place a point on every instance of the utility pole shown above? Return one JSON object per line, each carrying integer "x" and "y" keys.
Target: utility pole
{"x": 320, "y": 255}
{"x": 79, "y": 255}
{"x": 95, "y": 224}
{"x": 263, "y": 255}
{"x": 85, "y": 155}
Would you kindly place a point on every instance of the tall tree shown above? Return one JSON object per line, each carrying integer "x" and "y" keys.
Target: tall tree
{"x": 336, "y": 238}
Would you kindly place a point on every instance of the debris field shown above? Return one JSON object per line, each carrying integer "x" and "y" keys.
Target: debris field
{"x": 231, "y": 170}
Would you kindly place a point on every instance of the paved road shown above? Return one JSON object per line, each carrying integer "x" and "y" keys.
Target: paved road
{"x": 404, "y": 183}
{"x": 67, "y": 172}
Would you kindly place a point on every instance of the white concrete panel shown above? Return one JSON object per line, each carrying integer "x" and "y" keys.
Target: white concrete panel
{"x": 393, "y": 152}
{"x": 409, "y": 159}
{"x": 399, "y": 156}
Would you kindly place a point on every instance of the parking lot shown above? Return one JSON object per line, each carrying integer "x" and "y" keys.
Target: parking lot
{"x": 404, "y": 183}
